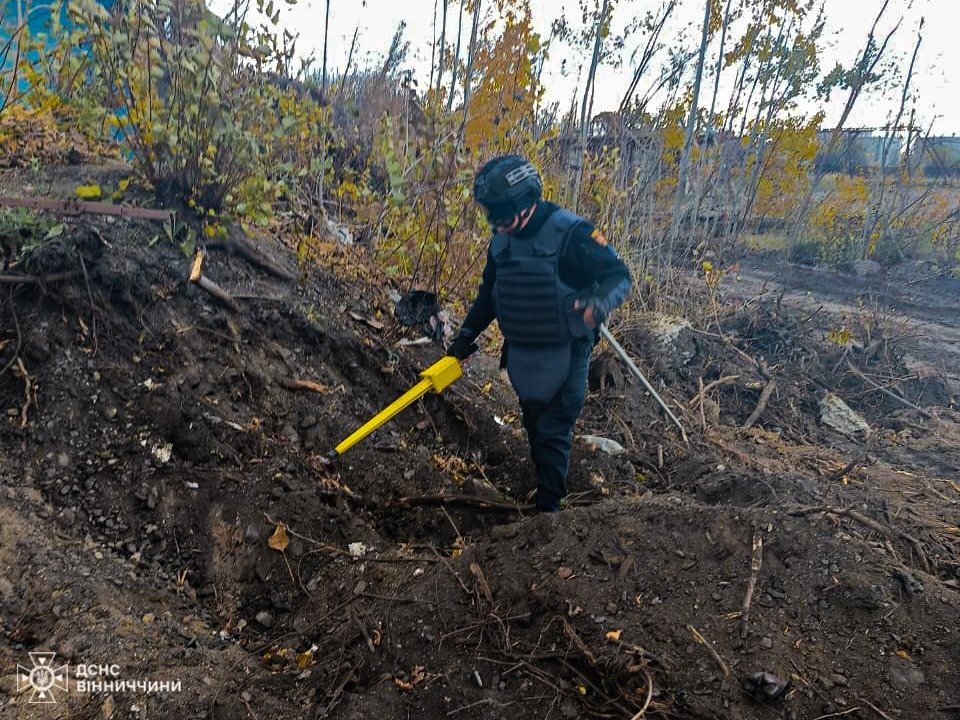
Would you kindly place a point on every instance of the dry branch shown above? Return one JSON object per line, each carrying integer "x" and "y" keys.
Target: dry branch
{"x": 888, "y": 393}
{"x": 78, "y": 207}
{"x": 698, "y": 398}
{"x": 756, "y": 562}
{"x": 713, "y": 653}
{"x": 38, "y": 279}
{"x": 761, "y": 404}
{"x": 248, "y": 253}
{"x": 871, "y": 524}
{"x": 877, "y": 710}
{"x": 578, "y": 642}
{"x": 197, "y": 278}
{"x": 846, "y": 469}
{"x": 466, "y": 501}
{"x": 298, "y": 384}
{"x": 481, "y": 579}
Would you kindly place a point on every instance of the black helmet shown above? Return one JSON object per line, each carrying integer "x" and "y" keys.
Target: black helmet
{"x": 506, "y": 185}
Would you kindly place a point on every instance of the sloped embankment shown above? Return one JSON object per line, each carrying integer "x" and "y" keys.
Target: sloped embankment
{"x": 154, "y": 440}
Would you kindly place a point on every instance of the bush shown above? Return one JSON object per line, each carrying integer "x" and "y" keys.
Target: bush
{"x": 198, "y": 114}
{"x": 806, "y": 252}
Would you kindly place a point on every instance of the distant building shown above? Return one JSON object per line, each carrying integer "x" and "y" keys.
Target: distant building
{"x": 857, "y": 151}
{"x": 937, "y": 156}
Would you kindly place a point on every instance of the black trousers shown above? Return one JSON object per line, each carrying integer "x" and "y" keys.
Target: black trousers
{"x": 549, "y": 428}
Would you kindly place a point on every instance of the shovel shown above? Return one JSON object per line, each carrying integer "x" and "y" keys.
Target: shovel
{"x": 435, "y": 379}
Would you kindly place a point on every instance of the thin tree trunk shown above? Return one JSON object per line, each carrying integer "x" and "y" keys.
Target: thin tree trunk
{"x": 587, "y": 92}
{"x": 688, "y": 139}
{"x": 346, "y": 70}
{"x": 326, "y": 32}
{"x": 873, "y": 216}
{"x": 456, "y": 60}
{"x": 468, "y": 75}
{"x": 443, "y": 46}
{"x": 716, "y": 75}
{"x": 433, "y": 46}
{"x": 649, "y": 50}
{"x": 718, "y": 154}
{"x": 867, "y": 62}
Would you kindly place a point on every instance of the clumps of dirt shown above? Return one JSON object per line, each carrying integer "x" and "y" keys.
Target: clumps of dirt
{"x": 166, "y": 507}
{"x": 769, "y": 366}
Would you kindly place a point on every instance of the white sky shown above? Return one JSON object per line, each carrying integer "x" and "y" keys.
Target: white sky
{"x": 847, "y": 24}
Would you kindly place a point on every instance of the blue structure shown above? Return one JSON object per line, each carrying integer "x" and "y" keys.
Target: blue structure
{"x": 37, "y": 14}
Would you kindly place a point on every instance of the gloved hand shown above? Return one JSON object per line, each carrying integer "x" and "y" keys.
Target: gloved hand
{"x": 593, "y": 309}
{"x": 462, "y": 347}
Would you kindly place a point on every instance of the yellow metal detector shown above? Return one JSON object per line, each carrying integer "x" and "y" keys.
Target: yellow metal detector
{"x": 435, "y": 378}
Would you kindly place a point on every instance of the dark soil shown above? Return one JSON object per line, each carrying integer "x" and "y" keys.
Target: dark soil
{"x": 151, "y": 445}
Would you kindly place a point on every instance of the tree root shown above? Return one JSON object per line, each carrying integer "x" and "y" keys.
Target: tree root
{"x": 248, "y": 253}
{"x": 29, "y": 392}
{"x": 16, "y": 325}
{"x": 710, "y": 649}
{"x": 464, "y": 501}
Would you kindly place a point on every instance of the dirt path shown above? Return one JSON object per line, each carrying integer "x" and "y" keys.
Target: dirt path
{"x": 927, "y": 310}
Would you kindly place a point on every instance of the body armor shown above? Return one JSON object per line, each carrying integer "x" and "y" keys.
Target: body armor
{"x": 534, "y": 307}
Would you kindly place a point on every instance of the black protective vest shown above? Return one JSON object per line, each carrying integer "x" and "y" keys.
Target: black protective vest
{"x": 534, "y": 307}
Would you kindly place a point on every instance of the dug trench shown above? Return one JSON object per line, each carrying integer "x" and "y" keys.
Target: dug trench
{"x": 165, "y": 510}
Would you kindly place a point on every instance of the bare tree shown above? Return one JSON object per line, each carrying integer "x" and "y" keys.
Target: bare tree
{"x": 433, "y": 46}
{"x": 456, "y": 59}
{"x": 719, "y": 68}
{"x": 326, "y": 32}
{"x": 346, "y": 70}
{"x": 468, "y": 74}
{"x": 875, "y": 209}
{"x": 862, "y": 75}
{"x": 443, "y": 46}
{"x": 602, "y": 19}
{"x": 684, "y": 169}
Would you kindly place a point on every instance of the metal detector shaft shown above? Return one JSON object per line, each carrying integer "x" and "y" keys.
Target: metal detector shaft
{"x": 636, "y": 371}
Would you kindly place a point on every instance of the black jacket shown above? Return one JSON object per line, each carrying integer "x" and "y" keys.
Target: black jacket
{"x": 586, "y": 262}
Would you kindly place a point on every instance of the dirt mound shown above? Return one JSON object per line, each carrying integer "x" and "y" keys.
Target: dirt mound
{"x": 165, "y": 508}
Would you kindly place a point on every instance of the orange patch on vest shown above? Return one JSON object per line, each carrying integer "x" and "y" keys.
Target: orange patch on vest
{"x": 599, "y": 237}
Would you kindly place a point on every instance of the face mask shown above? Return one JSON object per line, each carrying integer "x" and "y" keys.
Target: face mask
{"x": 517, "y": 222}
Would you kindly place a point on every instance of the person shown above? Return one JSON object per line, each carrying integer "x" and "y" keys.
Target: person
{"x": 550, "y": 279}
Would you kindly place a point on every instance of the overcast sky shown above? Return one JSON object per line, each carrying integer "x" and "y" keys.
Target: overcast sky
{"x": 847, "y": 24}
